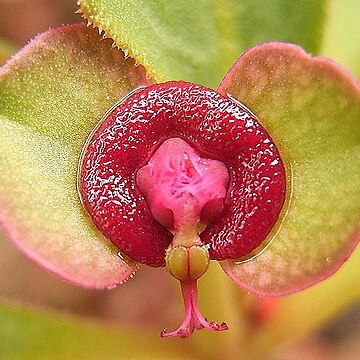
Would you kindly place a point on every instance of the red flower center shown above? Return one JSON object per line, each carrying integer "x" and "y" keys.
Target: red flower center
{"x": 176, "y": 175}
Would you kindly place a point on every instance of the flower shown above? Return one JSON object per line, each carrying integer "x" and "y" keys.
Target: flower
{"x": 297, "y": 98}
{"x": 219, "y": 202}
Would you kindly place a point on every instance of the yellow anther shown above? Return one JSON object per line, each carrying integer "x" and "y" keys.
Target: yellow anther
{"x": 198, "y": 261}
{"x": 177, "y": 262}
{"x": 187, "y": 263}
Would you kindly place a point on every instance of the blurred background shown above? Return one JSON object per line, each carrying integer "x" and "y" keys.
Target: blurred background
{"x": 150, "y": 300}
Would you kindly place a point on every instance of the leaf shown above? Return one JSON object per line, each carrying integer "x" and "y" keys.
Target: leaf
{"x": 52, "y": 94}
{"x": 301, "y": 314}
{"x": 27, "y": 334}
{"x": 6, "y": 50}
{"x": 311, "y": 108}
{"x": 199, "y": 40}
{"x": 299, "y": 22}
{"x": 218, "y": 302}
{"x": 342, "y": 34}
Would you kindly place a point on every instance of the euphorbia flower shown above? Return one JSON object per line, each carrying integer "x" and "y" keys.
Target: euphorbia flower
{"x": 297, "y": 99}
{"x": 217, "y": 198}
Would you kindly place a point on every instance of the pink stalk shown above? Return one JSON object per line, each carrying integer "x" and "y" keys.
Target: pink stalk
{"x": 193, "y": 317}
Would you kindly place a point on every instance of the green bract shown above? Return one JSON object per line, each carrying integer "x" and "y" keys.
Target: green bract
{"x": 312, "y": 108}
{"x": 51, "y": 95}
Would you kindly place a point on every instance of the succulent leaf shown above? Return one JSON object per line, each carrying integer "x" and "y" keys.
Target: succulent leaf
{"x": 199, "y": 40}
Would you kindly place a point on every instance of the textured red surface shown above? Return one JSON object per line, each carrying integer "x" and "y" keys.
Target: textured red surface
{"x": 217, "y": 128}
